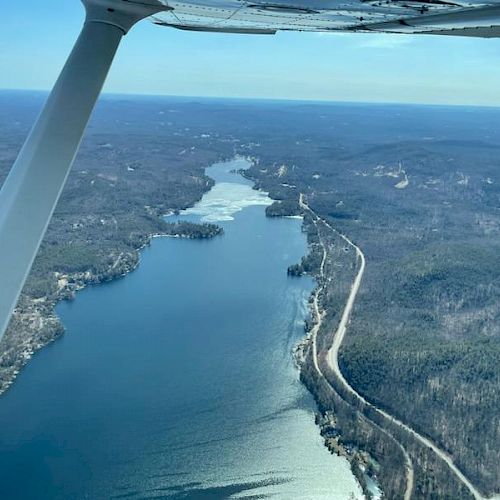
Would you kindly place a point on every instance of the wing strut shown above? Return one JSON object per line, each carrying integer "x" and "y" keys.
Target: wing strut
{"x": 34, "y": 184}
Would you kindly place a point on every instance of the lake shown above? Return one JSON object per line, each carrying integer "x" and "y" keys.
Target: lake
{"x": 178, "y": 380}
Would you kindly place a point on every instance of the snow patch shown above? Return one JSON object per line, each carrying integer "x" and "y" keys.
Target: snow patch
{"x": 225, "y": 199}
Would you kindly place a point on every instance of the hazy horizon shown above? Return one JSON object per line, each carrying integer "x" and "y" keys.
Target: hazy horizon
{"x": 108, "y": 94}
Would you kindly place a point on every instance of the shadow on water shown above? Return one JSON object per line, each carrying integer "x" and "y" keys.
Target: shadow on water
{"x": 198, "y": 492}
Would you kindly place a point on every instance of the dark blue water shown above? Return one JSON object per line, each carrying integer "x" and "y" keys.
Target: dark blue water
{"x": 178, "y": 381}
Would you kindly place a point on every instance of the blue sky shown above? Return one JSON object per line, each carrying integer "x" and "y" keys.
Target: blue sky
{"x": 36, "y": 37}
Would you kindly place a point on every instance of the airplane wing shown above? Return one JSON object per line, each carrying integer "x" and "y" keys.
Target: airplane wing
{"x": 30, "y": 192}
{"x": 437, "y": 17}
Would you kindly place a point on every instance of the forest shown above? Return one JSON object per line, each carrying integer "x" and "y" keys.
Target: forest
{"x": 126, "y": 177}
{"x": 415, "y": 187}
{"x": 420, "y": 196}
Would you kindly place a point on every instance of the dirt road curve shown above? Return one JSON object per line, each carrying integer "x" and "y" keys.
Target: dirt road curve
{"x": 332, "y": 359}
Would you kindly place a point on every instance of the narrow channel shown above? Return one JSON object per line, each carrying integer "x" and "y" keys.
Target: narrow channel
{"x": 178, "y": 381}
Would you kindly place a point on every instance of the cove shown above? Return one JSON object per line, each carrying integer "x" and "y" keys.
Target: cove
{"x": 178, "y": 380}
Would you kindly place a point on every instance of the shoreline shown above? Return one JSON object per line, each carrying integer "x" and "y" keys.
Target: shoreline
{"x": 363, "y": 465}
{"x": 325, "y": 366}
{"x": 35, "y": 323}
{"x": 50, "y": 328}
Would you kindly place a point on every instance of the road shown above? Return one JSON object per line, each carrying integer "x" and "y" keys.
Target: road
{"x": 333, "y": 354}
